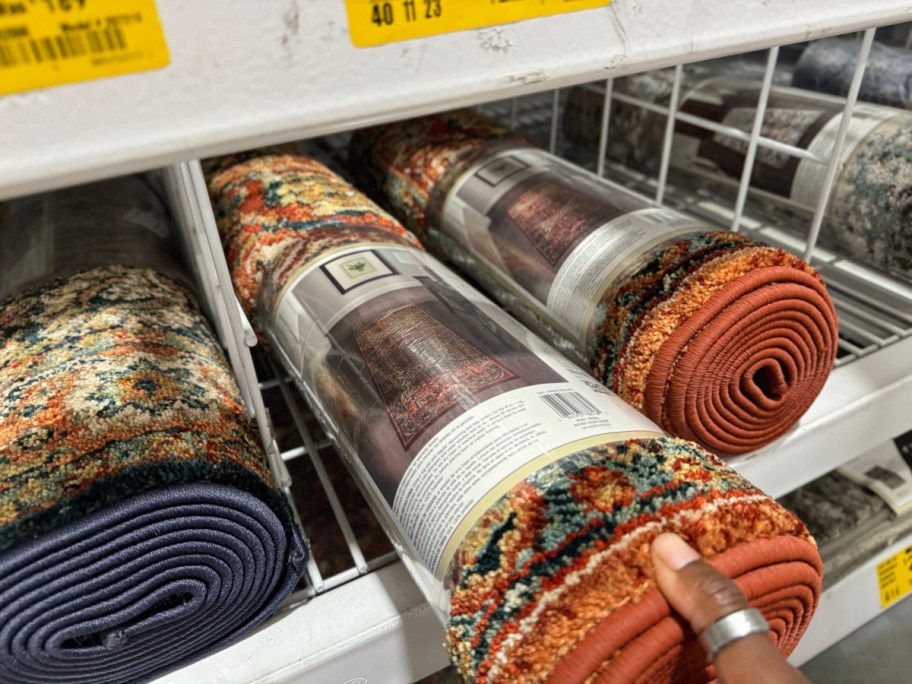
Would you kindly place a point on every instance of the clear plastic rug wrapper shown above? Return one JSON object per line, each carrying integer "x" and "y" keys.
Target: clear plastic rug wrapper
{"x": 717, "y": 338}
{"x": 521, "y": 494}
{"x": 140, "y": 527}
{"x": 869, "y": 209}
{"x": 828, "y": 66}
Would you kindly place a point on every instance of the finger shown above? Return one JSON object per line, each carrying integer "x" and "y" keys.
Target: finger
{"x": 699, "y": 592}
{"x": 702, "y": 595}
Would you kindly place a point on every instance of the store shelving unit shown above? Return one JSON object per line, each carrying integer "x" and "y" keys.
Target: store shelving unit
{"x": 249, "y": 74}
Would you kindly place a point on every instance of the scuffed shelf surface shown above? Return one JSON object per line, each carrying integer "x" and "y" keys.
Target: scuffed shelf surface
{"x": 279, "y": 70}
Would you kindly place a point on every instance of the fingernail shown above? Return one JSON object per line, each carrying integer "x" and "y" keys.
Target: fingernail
{"x": 673, "y": 551}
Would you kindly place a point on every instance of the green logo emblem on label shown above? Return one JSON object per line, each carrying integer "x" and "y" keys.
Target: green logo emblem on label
{"x": 357, "y": 267}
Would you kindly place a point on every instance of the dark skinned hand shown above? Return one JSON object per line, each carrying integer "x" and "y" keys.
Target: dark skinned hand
{"x": 701, "y": 594}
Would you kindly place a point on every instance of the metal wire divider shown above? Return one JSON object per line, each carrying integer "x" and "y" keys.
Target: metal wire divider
{"x": 875, "y": 309}
{"x": 303, "y": 441}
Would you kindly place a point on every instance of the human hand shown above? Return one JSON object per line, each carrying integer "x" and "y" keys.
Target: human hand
{"x": 702, "y": 595}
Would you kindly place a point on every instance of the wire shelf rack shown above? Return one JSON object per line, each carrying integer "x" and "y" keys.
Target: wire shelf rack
{"x": 875, "y": 309}
{"x": 349, "y": 548}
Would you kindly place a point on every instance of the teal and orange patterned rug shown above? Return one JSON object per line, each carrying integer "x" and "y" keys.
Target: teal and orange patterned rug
{"x": 555, "y": 582}
{"x": 140, "y": 527}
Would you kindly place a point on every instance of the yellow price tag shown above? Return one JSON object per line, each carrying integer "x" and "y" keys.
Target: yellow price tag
{"x": 375, "y": 22}
{"x": 51, "y": 42}
{"x": 894, "y": 577}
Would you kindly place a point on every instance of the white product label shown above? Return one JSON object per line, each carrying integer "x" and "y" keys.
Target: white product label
{"x": 810, "y": 177}
{"x": 443, "y": 400}
{"x": 886, "y": 471}
{"x": 554, "y": 234}
{"x": 493, "y": 443}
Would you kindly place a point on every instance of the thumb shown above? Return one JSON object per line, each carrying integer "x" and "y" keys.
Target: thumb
{"x": 702, "y": 595}
{"x": 694, "y": 588}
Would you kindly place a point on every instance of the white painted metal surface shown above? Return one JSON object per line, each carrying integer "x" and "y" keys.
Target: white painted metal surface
{"x": 375, "y": 630}
{"x": 244, "y": 74}
{"x": 248, "y": 73}
{"x": 190, "y": 208}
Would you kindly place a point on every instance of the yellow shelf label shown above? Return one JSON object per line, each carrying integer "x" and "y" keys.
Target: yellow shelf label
{"x": 52, "y": 42}
{"x": 894, "y": 577}
{"x": 375, "y": 22}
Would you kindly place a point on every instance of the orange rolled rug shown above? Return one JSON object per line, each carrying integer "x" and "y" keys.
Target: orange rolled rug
{"x": 716, "y": 337}
{"x": 550, "y": 578}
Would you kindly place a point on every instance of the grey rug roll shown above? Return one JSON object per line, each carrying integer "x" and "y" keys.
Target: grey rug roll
{"x": 849, "y": 522}
{"x": 828, "y": 66}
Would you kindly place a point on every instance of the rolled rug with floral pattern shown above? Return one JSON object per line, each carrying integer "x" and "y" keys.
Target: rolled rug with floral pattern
{"x": 521, "y": 494}
{"x": 140, "y": 527}
{"x": 870, "y": 203}
{"x": 717, "y": 338}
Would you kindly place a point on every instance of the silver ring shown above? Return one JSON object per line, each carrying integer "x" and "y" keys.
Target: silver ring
{"x": 732, "y": 627}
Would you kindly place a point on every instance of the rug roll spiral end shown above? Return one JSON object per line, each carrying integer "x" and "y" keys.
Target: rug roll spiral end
{"x": 742, "y": 370}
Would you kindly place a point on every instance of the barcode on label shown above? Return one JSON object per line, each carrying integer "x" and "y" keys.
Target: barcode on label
{"x": 570, "y": 404}
{"x": 75, "y": 43}
{"x": 56, "y": 42}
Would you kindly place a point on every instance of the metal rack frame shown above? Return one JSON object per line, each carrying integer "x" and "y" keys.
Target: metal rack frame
{"x": 369, "y": 622}
{"x": 870, "y": 383}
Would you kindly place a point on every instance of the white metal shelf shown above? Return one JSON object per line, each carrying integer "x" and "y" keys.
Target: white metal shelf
{"x": 370, "y": 620}
{"x": 376, "y": 629}
{"x": 367, "y": 631}
{"x": 247, "y": 74}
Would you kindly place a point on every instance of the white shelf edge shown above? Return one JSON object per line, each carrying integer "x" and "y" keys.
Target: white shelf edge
{"x": 298, "y": 76}
{"x": 376, "y": 629}
{"x": 846, "y": 606}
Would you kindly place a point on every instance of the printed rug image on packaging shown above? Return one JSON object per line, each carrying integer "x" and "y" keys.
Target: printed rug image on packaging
{"x": 717, "y": 338}
{"x": 868, "y": 213}
{"x": 414, "y": 398}
{"x": 140, "y": 527}
{"x": 525, "y": 508}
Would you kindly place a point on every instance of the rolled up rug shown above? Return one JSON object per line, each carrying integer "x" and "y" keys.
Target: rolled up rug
{"x": 717, "y": 338}
{"x": 140, "y": 527}
{"x": 521, "y": 494}
{"x": 828, "y": 65}
{"x": 867, "y": 216}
